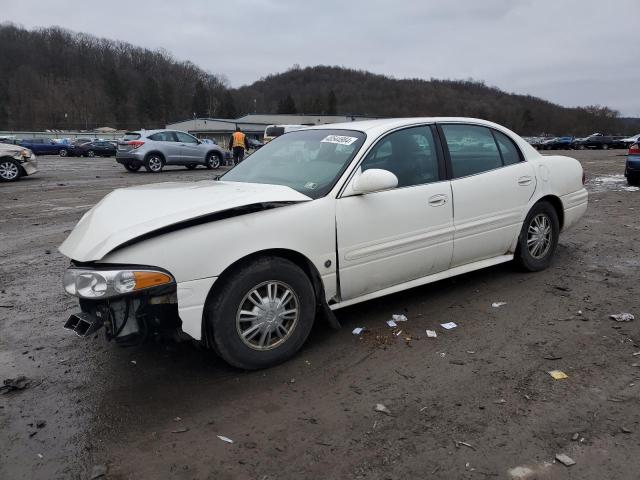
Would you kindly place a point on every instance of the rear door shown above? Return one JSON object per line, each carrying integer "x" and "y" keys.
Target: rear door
{"x": 390, "y": 237}
{"x": 491, "y": 184}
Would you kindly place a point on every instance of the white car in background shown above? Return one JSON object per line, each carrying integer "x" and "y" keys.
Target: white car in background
{"x": 316, "y": 220}
{"x": 16, "y": 162}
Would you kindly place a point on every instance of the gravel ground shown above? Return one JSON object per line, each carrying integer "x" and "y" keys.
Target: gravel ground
{"x": 476, "y": 402}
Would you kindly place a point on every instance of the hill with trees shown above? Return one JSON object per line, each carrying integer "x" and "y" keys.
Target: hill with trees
{"x": 52, "y": 78}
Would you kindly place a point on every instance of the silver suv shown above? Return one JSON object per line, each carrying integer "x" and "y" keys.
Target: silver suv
{"x": 156, "y": 148}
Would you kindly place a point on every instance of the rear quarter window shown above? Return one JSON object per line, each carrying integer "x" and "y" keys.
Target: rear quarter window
{"x": 131, "y": 136}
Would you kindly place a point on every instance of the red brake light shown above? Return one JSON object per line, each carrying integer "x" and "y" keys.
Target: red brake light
{"x": 634, "y": 149}
{"x": 135, "y": 144}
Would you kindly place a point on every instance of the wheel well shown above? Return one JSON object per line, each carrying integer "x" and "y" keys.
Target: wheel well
{"x": 556, "y": 203}
{"x": 215, "y": 152}
{"x": 156, "y": 153}
{"x": 295, "y": 257}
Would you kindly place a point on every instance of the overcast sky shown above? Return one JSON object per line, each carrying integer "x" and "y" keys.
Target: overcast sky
{"x": 572, "y": 52}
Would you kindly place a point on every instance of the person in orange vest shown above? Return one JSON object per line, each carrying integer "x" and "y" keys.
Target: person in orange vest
{"x": 238, "y": 144}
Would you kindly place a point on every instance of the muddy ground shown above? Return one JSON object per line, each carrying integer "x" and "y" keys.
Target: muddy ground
{"x": 156, "y": 411}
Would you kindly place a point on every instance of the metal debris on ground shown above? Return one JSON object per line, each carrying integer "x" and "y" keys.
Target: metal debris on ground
{"x": 498, "y": 304}
{"x": 458, "y": 444}
{"x": 180, "y": 430}
{"x": 565, "y": 459}
{"x": 575, "y": 437}
{"x": 625, "y": 430}
{"x": 12, "y": 384}
{"x": 448, "y": 325}
{"x": 392, "y": 323}
{"x": 500, "y": 401}
{"x": 432, "y": 334}
{"x": 224, "y": 439}
{"x": 358, "y": 330}
{"x": 98, "y": 471}
{"x": 558, "y": 374}
{"x": 381, "y": 408}
{"x": 622, "y": 317}
{"x": 399, "y": 318}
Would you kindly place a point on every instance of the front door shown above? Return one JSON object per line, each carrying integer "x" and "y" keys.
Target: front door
{"x": 390, "y": 237}
{"x": 190, "y": 148}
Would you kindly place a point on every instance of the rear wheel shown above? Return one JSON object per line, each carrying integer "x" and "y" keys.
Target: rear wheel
{"x": 605, "y": 147}
{"x": 132, "y": 167}
{"x": 153, "y": 163}
{"x": 262, "y": 314}
{"x": 91, "y": 153}
{"x": 538, "y": 238}
{"x": 9, "y": 170}
{"x": 213, "y": 160}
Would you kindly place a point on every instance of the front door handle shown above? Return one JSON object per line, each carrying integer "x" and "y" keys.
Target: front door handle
{"x": 524, "y": 181}
{"x": 437, "y": 200}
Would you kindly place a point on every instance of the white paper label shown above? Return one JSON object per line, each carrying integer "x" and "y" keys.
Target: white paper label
{"x": 339, "y": 139}
{"x": 448, "y": 325}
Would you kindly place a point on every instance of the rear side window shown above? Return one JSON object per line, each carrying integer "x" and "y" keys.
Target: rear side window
{"x": 131, "y": 136}
{"x": 472, "y": 149}
{"x": 508, "y": 149}
{"x": 162, "y": 137}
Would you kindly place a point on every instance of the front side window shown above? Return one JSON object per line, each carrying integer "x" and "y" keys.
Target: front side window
{"x": 409, "y": 154}
{"x": 185, "y": 138}
{"x": 309, "y": 161}
{"x": 508, "y": 149}
{"x": 472, "y": 149}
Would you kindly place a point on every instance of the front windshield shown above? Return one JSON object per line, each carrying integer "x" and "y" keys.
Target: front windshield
{"x": 309, "y": 161}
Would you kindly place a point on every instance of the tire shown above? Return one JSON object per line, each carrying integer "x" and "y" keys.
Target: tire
{"x": 91, "y": 153}
{"x": 581, "y": 147}
{"x": 192, "y": 166}
{"x": 605, "y": 146}
{"x": 633, "y": 181}
{"x": 132, "y": 167}
{"x": 282, "y": 336}
{"x": 213, "y": 160}
{"x": 541, "y": 217}
{"x": 63, "y": 152}
{"x": 153, "y": 163}
{"x": 9, "y": 170}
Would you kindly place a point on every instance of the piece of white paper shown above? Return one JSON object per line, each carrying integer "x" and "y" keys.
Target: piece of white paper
{"x": 339, "y": 139}
{"x": 431, "y": 334}
{"x": 448, "y": 325}
{"x": 399, "y": 318}
{"x": 391, "y": 323}
{"x": 225, "y": 439}
{"x": 498, "y": 304}
{"x": 358, "y": 330}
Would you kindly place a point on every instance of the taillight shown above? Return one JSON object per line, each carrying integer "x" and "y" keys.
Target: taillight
{"x": 135, "y": 144}
{"x": 634, "y": 149}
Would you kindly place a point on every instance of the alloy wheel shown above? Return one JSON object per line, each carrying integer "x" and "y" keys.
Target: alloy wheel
{"x": 539, "y": 236}
{"x": 8, "y": 171}
{"x": 267, "y": 315}
{"x": 155, "y": 164}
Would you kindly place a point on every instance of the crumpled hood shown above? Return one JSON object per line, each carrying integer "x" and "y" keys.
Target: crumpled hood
{"x": 128, "y": 213}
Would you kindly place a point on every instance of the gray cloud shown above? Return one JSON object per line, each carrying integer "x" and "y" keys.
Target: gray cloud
{"x": 573, "y": 52}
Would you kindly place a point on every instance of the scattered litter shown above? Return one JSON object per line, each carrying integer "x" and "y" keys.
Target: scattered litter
{"x": 432, "y": 334}
{"x": 565, "y": 459}
{"x": 558, "y": 374}
{"x": 625, "y": 430}
{"x": 177, "y": 419}
{"x": 399, "y": 318}
{"x": 575, "y": 437}
{"x": 552, "y": 357}
{"x": 456, "y": 362}
{"x": 471, "y": 352}
{"x": 41, "y": 423}
{"x": 501, "y": 401}
{"x": 636, "y": 354}
{"x": 521, "y": 473}
{"x": 442, "y": 354}
{"x": 398, "y": 333}
{"x": 12, "y": 384}
{"x": 358, "y": 330}
{"x": 448, "y": 325}
{"x": 293, "y": 380}
{"x": 224, "y": 439}
{"x": 98, "y": 471}
{"x": 134, "y": 362}
{"x": 180, "y": 430}
{"x": 392, "y": 323}
{"x": 458, "y": 444}
{"x": 40, "y": 455}
{"x": 579, "y": 312}
{"x": 423, "y": 409}
{"x": 622, "y": 317}
{"x": 498, "y": 304}
{"x": 381, "y": 408}
{"x": 635, "y": 364}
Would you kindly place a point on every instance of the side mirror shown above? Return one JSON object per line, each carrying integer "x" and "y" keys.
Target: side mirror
{"x": 374, "y": 180}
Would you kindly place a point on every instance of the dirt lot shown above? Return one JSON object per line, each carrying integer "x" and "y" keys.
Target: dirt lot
{"x": 156, "y": 411}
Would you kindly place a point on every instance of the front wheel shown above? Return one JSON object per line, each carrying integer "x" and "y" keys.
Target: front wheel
{"x": 153, "y": 163}
{"x": 9, "y": 171}
{"x": 213, "y": 160}
{"x": 63, "y": 152}
{"x": 91, "y": 153}
{"x": 538, "y": 238}
{"x": 262, "y": 313}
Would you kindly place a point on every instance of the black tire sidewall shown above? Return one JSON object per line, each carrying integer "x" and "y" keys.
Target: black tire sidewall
{"x": 131, "y": 167}
{"x": 523, "y": 256}
{"x": 222, "y": 308}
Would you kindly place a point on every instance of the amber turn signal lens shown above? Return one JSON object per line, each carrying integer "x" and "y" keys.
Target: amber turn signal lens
{"x": 150, "y": 279}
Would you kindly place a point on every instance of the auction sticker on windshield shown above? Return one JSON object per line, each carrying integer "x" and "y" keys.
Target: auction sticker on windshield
{"x": 339, "y": 139}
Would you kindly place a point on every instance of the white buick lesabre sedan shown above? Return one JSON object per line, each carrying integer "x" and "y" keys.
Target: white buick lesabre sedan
{"x": 316, "y": 220}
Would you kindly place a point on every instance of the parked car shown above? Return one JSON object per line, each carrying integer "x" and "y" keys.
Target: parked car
{"x": 632, "y": 165}
{"x": 254, "y": 144}
{"x": 45, "y": 146}
{"x": 16, "y": 162}
{"x": 557, "y": 143}
{"x": 316, "y": 220}
{"x": 597, "y": 141}
{"x": 156, "y": 148}
{"x": 93, "y": 149}
{"x": 628, "y": 141}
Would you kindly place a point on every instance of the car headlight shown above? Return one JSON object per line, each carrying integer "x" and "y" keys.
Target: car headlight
{"x": 22, "y": 154}
{"x": 110, "y": 283}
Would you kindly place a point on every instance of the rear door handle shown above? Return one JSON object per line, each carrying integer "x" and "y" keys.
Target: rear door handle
{"x": 524, "y": 181}
{"x": 437, "y": 200}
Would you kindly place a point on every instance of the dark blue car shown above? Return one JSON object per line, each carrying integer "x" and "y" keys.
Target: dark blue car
{"x": 632, "y": 166}
{"x": 44, "y": 146}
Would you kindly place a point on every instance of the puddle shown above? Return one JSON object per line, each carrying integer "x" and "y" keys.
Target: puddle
{"x": 610, "y": 183}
